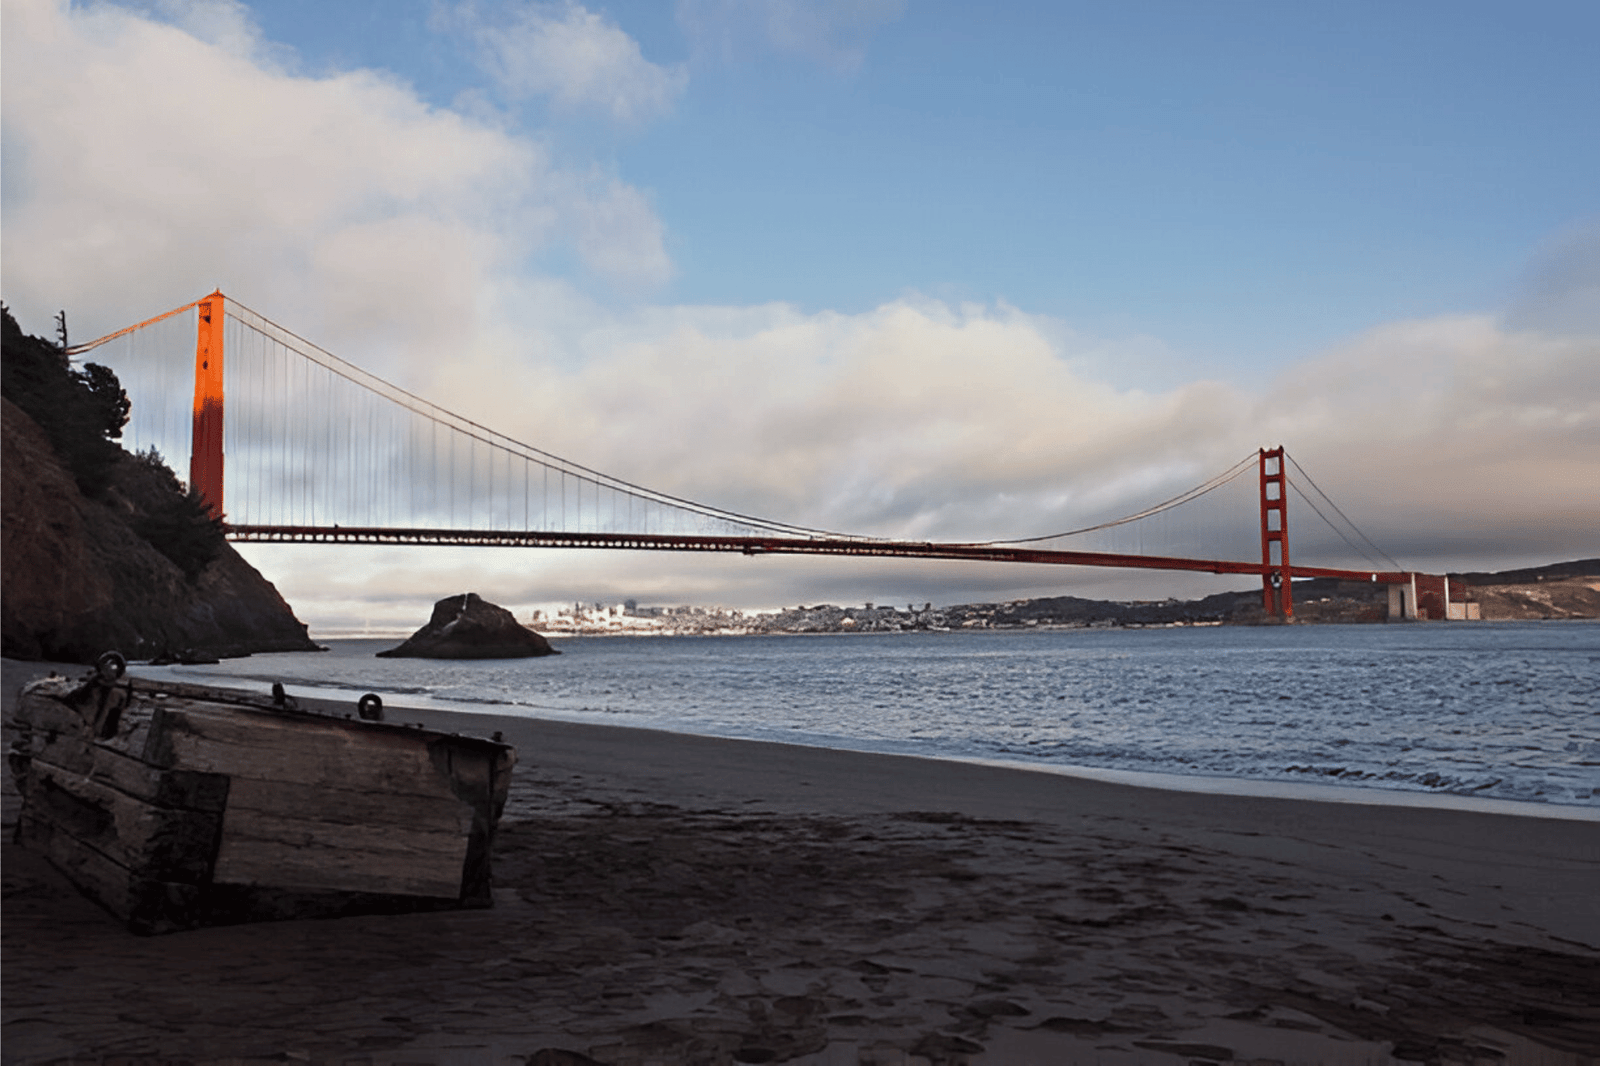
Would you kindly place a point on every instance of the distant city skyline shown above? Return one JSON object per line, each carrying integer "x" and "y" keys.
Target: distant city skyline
{"x": 903, "y": 269}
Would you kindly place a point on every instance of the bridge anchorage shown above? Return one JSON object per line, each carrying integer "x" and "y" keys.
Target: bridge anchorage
{"x": 303, "y": 447}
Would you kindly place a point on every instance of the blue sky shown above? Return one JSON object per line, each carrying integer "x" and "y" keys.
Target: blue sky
{"x": 895, "y": 268}
{"x": 1246, "y": 181}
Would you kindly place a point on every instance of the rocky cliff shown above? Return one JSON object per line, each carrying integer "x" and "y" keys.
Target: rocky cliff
{"x": 82, "y": 575}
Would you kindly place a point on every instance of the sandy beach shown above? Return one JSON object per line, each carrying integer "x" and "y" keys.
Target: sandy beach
{"x": 673, "y": 899}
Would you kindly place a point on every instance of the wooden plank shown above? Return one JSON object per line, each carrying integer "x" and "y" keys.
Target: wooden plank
{"x": 271, "y": 853}
{"x": 307, "y": 837}
{"x": 65, "y": 706}
{"x": 265, "y": 747}
{"x": 39, "y": 709}
{"x": 477, "y": 774}
{"x": 344, "y": 806}
{"x": 171, "y": 844}
{"x": 104, "y": 761}
{"x": 312, "y": 836}
{"x": 187, "y": 789}
{"x": 146, "y": 904}
{"x": 98, "y": 876}
{"x": 398, "y": 841}
{"x": 227, "y": 697}
{"x": 71, "y": 751}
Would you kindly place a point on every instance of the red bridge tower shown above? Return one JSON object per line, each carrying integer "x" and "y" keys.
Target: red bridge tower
{"x": 1277, "y": 594}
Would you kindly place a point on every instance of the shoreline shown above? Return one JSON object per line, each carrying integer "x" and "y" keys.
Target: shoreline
{"x": 673, "y": 898}
{"x": 1207, "y": 784}
{"x": 337, "y": 700}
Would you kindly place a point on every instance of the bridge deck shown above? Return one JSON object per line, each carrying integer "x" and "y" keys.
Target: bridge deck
{"x": 751, "y": 545}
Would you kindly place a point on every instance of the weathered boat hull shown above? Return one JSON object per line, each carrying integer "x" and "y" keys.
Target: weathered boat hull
{"x": 176, "y": 806}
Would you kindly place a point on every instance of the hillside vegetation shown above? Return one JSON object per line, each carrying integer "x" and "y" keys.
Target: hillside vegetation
{"x": 105, "y": 550}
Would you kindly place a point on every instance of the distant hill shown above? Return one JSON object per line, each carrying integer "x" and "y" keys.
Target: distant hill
{"x": 1321, "y": 600}
{"x": 1534, "y": 574}
{"x": 1558, "y": 590}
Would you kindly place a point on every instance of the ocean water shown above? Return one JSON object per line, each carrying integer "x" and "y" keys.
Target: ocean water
{"x": 1506, "y": 711}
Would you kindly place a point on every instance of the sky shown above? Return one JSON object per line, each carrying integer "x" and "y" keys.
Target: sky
{"x": 884, "y": 267}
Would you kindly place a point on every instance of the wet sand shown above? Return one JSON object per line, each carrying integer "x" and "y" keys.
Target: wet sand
{"x": 672, "y": 899}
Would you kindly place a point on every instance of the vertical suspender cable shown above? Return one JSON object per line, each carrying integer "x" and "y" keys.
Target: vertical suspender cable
{"x": 293, "y": 415}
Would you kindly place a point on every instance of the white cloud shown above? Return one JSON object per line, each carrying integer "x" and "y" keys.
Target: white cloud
{"x": 226, "y": 24}
{"x": 576, "y": 58}
{"x": 833, "y": 33}
{"x": 891, "y": 422}
{"x": 618, "y": 234}
{"x": 1460, "y": 440}
{"x": 167, "y": 165}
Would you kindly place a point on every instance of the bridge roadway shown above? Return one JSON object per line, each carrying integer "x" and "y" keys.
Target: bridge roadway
{"x": 754, "y": 545}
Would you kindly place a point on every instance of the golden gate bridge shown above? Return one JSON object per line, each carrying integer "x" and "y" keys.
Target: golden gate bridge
{"x": 290, "y": 444}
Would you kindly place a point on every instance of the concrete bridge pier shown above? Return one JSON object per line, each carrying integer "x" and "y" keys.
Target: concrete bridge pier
{"x": 1403, "y": 602}
{"x": 1427, "y": 596}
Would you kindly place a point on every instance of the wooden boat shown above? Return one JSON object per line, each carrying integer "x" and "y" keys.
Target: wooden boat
{"x": 177, "y": 806}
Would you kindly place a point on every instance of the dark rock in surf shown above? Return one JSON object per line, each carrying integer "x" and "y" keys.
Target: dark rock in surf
{"x": 470, "y": 627}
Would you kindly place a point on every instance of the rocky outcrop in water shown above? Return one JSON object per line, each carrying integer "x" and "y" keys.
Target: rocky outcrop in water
{"x": 470, "y": 627}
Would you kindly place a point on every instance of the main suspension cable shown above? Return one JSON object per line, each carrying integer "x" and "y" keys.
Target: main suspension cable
{"x": 1183, "y": 497}
{"x": 1353, "y": 527}
{"x": 79, "y": 349}
{"x": 527, "y": 452}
